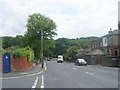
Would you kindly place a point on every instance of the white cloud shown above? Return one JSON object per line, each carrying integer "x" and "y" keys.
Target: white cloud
{"x": 74, "y": 18}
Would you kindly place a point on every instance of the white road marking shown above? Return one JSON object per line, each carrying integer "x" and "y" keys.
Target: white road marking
{"x": 35, "y": 83}
{"x": 42, "y": 84}
{"x": 74, "y": 69}
{"x": 45, "y": 66}
{"x": 34, "y": 86}
{"x": 90, "y": 73}
{"x": 23, "y": 73}
{"x": 23, "y": 76}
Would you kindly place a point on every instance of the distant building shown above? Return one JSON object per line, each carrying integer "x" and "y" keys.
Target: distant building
{"x": 104, "y": 50}
{"x": 109, "y": 43}
{"x": 96, "y": 44}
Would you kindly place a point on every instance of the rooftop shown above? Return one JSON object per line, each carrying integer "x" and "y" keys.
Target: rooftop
{"x": 115, "y": 32}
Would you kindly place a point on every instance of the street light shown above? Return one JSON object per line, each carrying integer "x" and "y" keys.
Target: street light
{"x": 42, "y": 48}
{"x": 41, "y": 51}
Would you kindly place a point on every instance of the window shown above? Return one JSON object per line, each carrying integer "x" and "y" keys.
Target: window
{"x": 116, "y": 52}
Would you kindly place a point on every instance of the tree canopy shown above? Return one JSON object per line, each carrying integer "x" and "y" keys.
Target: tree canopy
{"x": 39, "y": 25}
{"x": 71, "y": 53}
{"x": 63, "y": 44}
{"x": 9, "y": 41}
{"x": 35, "y": 24}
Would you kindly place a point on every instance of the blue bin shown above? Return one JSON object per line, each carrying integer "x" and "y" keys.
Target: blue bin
{"x": 6, "y": 63}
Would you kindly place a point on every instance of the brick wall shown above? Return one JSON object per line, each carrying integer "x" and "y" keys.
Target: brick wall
{"x": 20, "y": 64}
{"x": 0, "y": 63}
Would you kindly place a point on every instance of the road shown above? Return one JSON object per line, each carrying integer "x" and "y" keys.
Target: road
{"x": 65, "y": 75}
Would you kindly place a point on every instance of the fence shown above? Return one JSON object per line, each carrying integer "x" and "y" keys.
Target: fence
{"x": 102, "y": 60}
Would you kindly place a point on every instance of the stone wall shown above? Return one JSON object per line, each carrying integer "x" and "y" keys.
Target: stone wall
{"x": 111, "y": 61}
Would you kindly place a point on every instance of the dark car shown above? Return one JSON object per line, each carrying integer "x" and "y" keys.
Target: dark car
{"x": 80, "y": 62}
{"x": 48, "y": 59}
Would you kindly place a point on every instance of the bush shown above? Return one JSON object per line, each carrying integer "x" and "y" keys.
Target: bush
{"x": 22, "y": 52}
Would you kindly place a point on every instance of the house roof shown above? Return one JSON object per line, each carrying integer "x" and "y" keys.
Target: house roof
{"x": 115, "y": 32}
{"x": 96, "y": 52}
{"x": 83, "y": 52}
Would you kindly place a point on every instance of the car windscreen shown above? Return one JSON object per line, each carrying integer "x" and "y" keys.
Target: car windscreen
{"x": 59, "y": 57}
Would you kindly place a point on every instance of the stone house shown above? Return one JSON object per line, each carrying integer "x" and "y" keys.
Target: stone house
{"x": 110, "y": 44}
{"x": 104, "y": 50}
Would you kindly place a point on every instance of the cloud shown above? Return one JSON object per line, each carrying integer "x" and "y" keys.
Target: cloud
{"x": 13, "y": 18}
{"x": 74, "y": 18}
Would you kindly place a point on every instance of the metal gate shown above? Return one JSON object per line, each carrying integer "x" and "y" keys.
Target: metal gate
{"x": 6, "y": 63}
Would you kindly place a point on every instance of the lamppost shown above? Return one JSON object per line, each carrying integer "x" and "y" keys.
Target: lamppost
{"x": 41, "y": 51}
{"x": 42, "y": 48}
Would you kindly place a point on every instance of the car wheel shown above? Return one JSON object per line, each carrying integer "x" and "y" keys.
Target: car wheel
{"x": 77, "y": 64}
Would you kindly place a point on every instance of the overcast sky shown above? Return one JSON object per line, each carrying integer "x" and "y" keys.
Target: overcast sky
{"x": 74, "y": 18}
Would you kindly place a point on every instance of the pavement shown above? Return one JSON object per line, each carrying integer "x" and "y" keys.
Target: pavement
{"x": 35, "y": 69}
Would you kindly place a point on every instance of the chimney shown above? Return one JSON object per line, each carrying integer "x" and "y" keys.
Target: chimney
{"x": 110, "y": 30}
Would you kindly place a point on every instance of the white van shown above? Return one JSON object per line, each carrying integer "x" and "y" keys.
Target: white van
{"x": 60, "y": 59}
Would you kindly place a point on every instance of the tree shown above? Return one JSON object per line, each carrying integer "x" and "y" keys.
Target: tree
{"x": 80, "y": 42}
{"x": 35, "y": 24}
{"x": 61, "y": 46}
{"x": 71, "y": 53}
{"x": 6, "y": 42}
{"x": 9, "y": 41}
{"x": 48, "y": 49}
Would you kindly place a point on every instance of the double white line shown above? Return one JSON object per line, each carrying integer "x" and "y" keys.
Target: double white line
{"x": 36, "y": 81}
{"x": 42, "y": 84}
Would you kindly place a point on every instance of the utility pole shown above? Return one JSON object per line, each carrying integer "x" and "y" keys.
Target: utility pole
{"x": 42, "y": 48}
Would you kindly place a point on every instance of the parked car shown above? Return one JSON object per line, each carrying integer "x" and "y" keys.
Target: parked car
{"x": 80, "y": 62}
{"x": 60, "y": 59}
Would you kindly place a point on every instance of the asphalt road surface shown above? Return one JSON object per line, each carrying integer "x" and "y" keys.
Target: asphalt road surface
{"x": 64, "y": 75}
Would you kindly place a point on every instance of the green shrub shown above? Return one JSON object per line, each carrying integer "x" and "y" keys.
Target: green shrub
{"x": 22, "y": 52}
